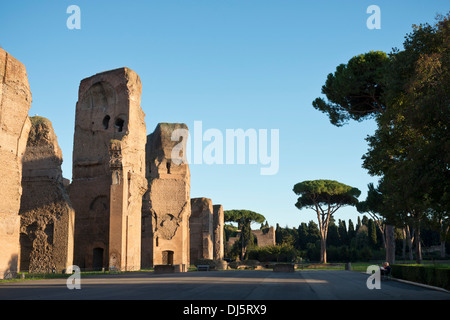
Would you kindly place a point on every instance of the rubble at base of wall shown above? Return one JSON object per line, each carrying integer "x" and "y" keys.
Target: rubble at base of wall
{"x": 282, "y": 267}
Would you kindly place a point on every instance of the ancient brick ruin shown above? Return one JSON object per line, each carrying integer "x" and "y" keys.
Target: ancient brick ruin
{"x": 15, "y": 102}
{"x": 218, "y": 225}
{"x": 206, "y": 230}
{"x": 263, "y": 237}
{"x": 128, "y": 205}
{"x": 47, "y": 216}
{"x": 109, "y": 171}
{"x": 201, "y": 225}
{"x": 166, "y": 205}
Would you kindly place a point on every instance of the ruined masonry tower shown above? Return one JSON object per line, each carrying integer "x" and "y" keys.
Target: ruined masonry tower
{"x": 218, "y": 224}
{"x": 47, "y": 216}
{"x": 166, "y": 205}
{"x": 109, "y": 171}
{"x": 201, "y": 224}
{"x": 15, "y": 102}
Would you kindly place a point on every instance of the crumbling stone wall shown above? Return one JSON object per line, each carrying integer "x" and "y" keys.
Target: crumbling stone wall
{"x": 265, "y": 237}
{"x": 109, "y": 171}
{"x": 218, "y": 224}
{"x": 47, "y": 216}
{"x": 15, "y": 102}
{"x": 166, "y": 204}
{"x": 201, "y": 229}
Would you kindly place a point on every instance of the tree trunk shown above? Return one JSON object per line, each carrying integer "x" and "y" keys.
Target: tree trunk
{"x": 323, "y": 220}
{"x": 323, "y": 250}
{"x": 383, "y": 235}
{"x": 418, "y": 244}
{"x": 410, "y": 239}
{"x": 244, "y": 248}
{"x": 245, "y": 238}
{"x": 404, "y": 244}
{"x": 390, "y": 244}
{"x": 443, "y": 235}
{"x": 418, "y": 249}
{"x": 442, "y": 249}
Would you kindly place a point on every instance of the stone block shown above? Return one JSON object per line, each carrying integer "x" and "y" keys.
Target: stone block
{"x": 164, "y": 268}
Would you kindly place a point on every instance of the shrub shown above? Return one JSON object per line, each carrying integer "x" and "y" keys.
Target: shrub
{"x": 344, "y": 253}
{"x": 365, "y": 254}
{"x": 313, "y": 251}
{"x": 278, "y": 253}
{"x": 379, "y": 254}
{"x": 437, "y": 276}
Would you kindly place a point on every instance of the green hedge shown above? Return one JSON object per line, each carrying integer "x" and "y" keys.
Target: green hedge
{"x": 430, "y": 275}
{"x": 278, "y": 253}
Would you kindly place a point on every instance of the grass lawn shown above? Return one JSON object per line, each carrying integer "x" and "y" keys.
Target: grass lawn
{"x": 355, "y": 266}
{"x": 362, "y": 266}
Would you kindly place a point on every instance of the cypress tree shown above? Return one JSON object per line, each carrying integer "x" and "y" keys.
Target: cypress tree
{"x": 351, "y": 231}
{"x": 343, "y": 232}
{"x": 302, "y": 236}
{"x": 371, "y": 228}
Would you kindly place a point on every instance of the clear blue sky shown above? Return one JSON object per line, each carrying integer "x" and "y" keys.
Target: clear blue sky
{"x": 228, "y": 63}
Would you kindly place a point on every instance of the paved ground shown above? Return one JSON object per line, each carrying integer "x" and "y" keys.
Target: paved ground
{"x": 220, "y": 285}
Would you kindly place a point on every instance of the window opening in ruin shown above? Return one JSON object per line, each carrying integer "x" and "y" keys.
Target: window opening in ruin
{"x": 106, "y": 121}
{"x": 168, "y": 167}
{"x": 167, "y": 257}
{"x": 26, "y": 247}
{"x": 97, "y": 262}
{"x": 119, "y": 124}
{"x": 49, "y": 232}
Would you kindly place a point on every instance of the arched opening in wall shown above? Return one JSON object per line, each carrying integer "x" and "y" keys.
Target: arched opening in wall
{"x": 97, "y": 259}
{"x": 100, "y": 205}
{"x": 119, "y": 124}
{"x": 106, "y": 122}
{"x": 167, "y": 257}
{"x": 168, "y": 166}
{"x": 26, "y": 247}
